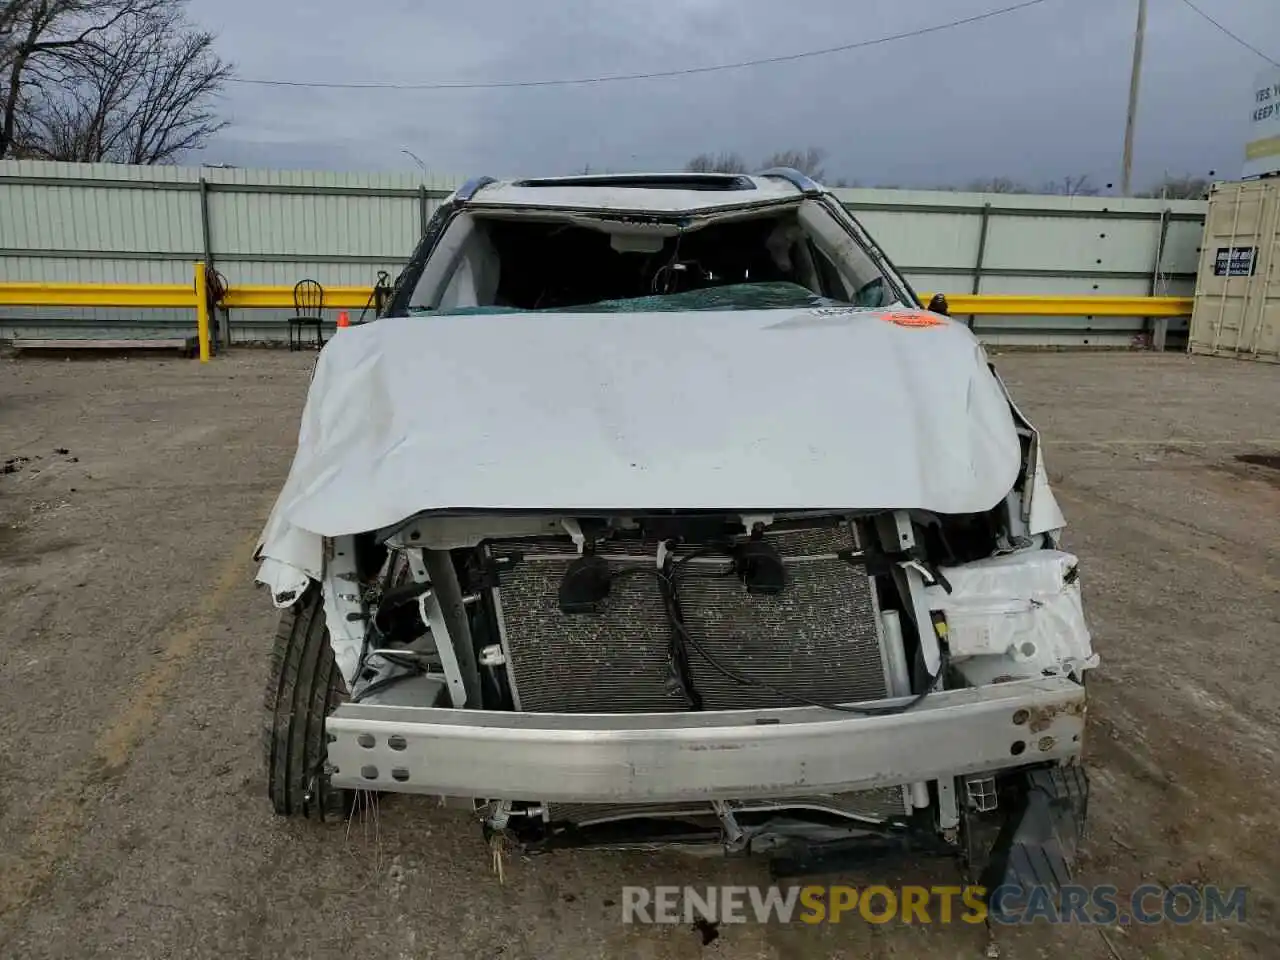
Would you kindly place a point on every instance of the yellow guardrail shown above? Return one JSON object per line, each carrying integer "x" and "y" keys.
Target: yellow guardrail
{"x": 96, "y": 295}
{"x": 194, "y": 296}
{"x": 153, "y": 295}
{"x": 1017, "y": 305}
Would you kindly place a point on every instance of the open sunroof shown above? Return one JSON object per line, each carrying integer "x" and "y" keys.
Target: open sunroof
{"x": 649, "y": 181}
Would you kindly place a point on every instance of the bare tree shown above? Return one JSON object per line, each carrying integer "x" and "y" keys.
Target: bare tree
{"x": 144, "y": 98}
{"x": 1185, "y": 187}
{"x": 809, "y": 162}
{"x": 722, "y": 162}
{"x": 38, "y": 36}
{"x": 997, "y": 185}
{"x": 10, "y": 12}
{"x": 1071, "y": 187}
{"x": 119, "y": 80}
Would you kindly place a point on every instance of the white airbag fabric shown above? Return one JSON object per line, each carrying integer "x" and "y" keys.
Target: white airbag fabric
{"x": 759, "y": 410}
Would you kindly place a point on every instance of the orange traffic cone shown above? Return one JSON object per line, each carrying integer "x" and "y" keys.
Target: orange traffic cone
{"x": 343, "y": 319}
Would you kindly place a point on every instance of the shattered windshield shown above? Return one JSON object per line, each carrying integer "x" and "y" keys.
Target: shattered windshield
{"x": 758, "y": 261}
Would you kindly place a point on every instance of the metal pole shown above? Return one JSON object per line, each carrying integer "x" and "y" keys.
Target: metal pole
{"x": 422, "y": 191}
{"x": 982, "y": 255}
{"x": 207, "y": 242}
{"x": 1126, "y": 176}
{"x": 1159, "y": 325}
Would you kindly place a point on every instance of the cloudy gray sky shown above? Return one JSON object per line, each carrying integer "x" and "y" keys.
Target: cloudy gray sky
{"x": 1037, "y": 94}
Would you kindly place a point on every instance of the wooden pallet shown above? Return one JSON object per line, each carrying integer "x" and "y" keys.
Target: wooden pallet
{"x": 185, "y": 346}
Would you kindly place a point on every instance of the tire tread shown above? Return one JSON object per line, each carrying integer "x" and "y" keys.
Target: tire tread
{"x": 302, "y": 688}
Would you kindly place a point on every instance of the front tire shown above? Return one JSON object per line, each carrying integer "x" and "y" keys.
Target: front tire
{"x": 303, "y": 687}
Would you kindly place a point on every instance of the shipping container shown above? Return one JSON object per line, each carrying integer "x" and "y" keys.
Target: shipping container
{"x": 1237, "y": 305}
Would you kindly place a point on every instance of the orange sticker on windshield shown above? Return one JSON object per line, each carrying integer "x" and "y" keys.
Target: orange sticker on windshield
{"x": 913, "y": 318}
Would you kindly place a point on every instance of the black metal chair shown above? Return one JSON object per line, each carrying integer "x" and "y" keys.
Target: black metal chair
{"x": 308, "y": 309}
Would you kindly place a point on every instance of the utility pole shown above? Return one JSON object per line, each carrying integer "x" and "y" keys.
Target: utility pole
{"x": 1126, "y": 175}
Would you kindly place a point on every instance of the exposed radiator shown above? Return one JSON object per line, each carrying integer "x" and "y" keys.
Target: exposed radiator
{"x": 819, "y": 638}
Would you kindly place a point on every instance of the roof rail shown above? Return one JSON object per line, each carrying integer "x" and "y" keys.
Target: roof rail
{"x": 472, "y": 187}
{"x": 794, "y": 177}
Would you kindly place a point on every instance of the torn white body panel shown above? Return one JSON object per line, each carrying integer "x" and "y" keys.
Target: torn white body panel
{"x": 1040, "y": 511}
{"x": 1015, "y": 616}
{"x": 804, "y": 409}
{"x": 286, "y": 582}
{"x": 1044, "y": 516}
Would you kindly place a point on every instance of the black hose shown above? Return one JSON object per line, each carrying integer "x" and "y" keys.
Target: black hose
{"x": 683, "y": 640}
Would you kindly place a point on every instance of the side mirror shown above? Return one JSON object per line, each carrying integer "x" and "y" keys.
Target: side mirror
{"x": 939, "y": 305}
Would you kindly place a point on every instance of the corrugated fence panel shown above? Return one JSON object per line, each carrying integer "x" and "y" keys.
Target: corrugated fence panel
{"x": 312, "y": 226}
{"x": 1181, "y": 256}
{"x": 1080, "y": 246}
{"x": 98, "y": 270}
{"x": 329, "y": 273}
{"x": 915, "y": 240}
{"x": 107, "y": 219}
{"x": 105, "y": 323}
{"x": 41, "y": 169}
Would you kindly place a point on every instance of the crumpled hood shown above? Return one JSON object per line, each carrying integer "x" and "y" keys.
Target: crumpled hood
{"x": 815, "y": 408}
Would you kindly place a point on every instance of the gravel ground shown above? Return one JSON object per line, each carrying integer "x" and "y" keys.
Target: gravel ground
{"x": 135, "y": 645}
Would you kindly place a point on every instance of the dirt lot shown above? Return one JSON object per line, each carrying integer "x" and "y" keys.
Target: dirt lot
{"x": 135, "y": 645}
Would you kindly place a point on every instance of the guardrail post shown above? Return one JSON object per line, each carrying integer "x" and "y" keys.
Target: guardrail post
{"x": 202, "y": 313}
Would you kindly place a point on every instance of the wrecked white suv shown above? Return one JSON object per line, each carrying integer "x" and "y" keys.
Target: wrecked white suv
{"x": 655, "y": 511}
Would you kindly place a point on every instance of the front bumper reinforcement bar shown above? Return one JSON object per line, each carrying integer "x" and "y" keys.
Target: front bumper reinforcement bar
{"x": 743, "y": 754}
